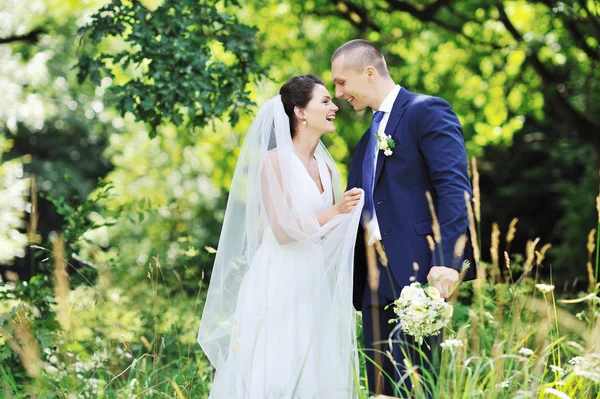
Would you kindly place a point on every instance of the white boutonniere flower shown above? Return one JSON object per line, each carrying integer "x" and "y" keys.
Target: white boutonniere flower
{"x": 385, "y": 143}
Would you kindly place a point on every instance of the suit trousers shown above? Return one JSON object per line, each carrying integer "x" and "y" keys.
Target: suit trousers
{"x": 389, "y": 376}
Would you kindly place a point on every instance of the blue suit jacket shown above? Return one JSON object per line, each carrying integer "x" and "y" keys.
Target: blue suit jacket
{"x": 430, "y": 155}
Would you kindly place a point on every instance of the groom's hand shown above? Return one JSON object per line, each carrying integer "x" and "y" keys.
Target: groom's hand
{"x": 443, "y": 278}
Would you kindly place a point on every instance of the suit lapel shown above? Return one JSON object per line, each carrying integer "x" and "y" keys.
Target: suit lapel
{"x": 390, "y": 129}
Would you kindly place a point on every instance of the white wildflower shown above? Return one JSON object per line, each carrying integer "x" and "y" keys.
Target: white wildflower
{"x": 556, "y": 369}
{"x": 544, "y": 288}
{"x": 452, "y": 343}
{"x": 526, "y": 352}
{"x": 503, "y": 384}
{"x": 587, "y": 366}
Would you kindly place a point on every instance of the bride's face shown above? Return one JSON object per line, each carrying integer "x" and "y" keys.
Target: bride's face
{"x": 320, "y": 111}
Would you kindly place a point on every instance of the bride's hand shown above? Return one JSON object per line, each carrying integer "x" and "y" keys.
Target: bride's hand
{"x": 349, "y": 200}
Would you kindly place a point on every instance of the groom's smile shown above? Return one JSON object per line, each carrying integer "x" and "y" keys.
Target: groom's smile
{"x": 350, "y": 85}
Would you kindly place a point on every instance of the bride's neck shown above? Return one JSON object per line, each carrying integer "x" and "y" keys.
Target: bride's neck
{"x": 305, "y": 146}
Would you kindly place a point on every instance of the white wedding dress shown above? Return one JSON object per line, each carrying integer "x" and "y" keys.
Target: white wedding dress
{"x": 278, "y": 321}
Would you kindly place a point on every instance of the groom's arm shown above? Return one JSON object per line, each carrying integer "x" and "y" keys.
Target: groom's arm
{"x": 443, "y": 147}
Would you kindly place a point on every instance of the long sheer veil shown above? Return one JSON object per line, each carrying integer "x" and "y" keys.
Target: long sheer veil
{"x": 266, "y": 200}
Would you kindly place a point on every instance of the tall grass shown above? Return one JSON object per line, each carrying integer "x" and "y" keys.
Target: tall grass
{"x": 512, "y": 336}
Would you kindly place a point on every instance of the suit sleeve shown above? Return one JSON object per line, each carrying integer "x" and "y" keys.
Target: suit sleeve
{"x": 443, "y": 147}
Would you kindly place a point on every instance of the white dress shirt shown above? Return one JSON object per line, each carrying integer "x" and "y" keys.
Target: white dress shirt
{"x": 386, "y": 107}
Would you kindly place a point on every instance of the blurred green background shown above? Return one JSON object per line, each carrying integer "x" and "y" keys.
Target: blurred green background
{"x": 129, "y": 120}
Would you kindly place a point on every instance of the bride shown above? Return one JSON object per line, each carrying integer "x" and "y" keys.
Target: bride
{"x": 278, "y": 320}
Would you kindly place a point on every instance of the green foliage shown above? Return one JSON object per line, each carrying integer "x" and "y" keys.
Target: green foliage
{"x": 77, "y": 221}
{"x": 191, "y": 60}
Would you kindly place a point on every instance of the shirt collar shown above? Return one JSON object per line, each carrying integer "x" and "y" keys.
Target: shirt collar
{"x": 388, "y": 102}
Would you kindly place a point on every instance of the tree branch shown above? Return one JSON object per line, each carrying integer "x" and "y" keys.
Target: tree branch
{"x": 426, "y": 14}
{"x": 356, "y": 15}
{"x": 589, "y": 128}
{"x": 31, "y": 37}
{"x": 571, "y": 26}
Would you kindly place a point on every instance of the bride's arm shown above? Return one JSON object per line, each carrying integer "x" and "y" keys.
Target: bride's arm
{"x": 281, "y": 210}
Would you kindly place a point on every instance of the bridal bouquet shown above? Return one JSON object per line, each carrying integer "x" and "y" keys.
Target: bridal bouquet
{"x": 422, "y": 312}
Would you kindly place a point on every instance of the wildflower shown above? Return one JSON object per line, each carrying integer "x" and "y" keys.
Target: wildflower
{"x": 556, "y": 369}
{"x": 587, "y": 366}
{"x": 544, "y": 288}
{"x": 525, "y": 352}
{"x": 210, "y": 250}
{"x": 452, "y": 343}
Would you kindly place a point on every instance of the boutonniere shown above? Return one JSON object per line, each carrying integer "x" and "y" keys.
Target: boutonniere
{"x": 385, "y": 143}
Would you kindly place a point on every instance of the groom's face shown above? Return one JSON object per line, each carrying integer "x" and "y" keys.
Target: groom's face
{"x": 350, "y": 85}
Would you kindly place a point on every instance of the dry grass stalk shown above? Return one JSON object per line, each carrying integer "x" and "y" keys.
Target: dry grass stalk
{"x": 507, "y": 260}
{"x": 474, "y": 343}
{"x": 61, "y": 284}
{"x": 593, "y": 341}
{"x": 431, "y": 243}
{"x": 435, "y": 225}
{"x": 541, "y": 255}
{"x": 177, "y": 389}
{"x": 494, "y": 252}
{"x": 498, "y": 356}
{"x": 6, "y": 390}
{"x": 372, "y": 269}
{"x": 373, "y": 281}
{"x": 591, "y": 247}
{"x": 476, "y": 191}
{"x": 381, "y": 253}
{"x": 146, "y": 343}
{"x": 12, "y": 276}
{"x": 510, "y": 235}
{"x": 34, "y": 216}
{"x": 474, "y": 242}
{"x": 591, "y": 278}
{"x": 598, "y": 207}
{"x": 459, "y": 247}
{"x": 542, "y": 334}
{"x": 462, "y": 337}
{"x": 530, "y": 255}
{"x": 565, "y": 319}
{"x": 23, "y": 342}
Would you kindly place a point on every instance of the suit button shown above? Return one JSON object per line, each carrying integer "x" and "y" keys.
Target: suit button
{"x": 387, "y": 232}
{"x": 380, "y": 202}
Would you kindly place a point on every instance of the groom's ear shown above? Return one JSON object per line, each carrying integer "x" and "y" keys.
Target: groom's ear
{"x": 370, "y": 71}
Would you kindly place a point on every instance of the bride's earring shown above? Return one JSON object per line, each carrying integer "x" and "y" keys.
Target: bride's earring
{"x": 304, "y": 122}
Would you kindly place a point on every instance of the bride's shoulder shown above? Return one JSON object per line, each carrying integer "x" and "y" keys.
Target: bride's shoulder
{"x": 273, "y": 156}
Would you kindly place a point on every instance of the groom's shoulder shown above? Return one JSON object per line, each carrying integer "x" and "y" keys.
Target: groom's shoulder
{"x": 424, "y": 101}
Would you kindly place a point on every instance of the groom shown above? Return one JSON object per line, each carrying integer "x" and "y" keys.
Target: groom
{"x": 429, "y": 156}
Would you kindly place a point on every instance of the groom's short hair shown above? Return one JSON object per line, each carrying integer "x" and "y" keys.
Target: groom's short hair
{"x": 359, "y": 53}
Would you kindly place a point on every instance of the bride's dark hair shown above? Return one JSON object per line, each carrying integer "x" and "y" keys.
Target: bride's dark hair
{"x": 297, "y": 92}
